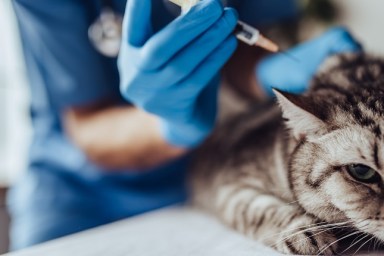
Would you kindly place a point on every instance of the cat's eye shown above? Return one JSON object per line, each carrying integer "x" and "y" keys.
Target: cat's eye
{"x": 363, "y": 173}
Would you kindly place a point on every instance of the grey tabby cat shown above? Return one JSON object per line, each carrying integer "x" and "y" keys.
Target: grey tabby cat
{"x": 290, "y": 188}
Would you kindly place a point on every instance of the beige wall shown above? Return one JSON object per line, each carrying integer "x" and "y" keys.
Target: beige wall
{"x": 365, "y": 18}
{"x": 14, "y": 120}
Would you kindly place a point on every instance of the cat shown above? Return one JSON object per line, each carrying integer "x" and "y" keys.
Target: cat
{"x": 291, "y": 175}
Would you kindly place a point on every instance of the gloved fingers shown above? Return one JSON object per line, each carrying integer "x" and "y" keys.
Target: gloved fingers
{"x": 343, "y": 41}
{"x": 136, "y": 85}
{"x": 188, "y": 90}
{"x": 334, "y": 41}
{"x": 181, "y": 135}
{"x": 162, "y": 46}
{"x": 210, "y": 66}
{"x": 137, "y": 26}
{"x": 188, "y": 59}
{"x": 203, "y": 113}
{"x": 206, "y": 105}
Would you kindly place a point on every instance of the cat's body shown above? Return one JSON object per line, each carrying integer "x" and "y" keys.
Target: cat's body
{"x": 290, "y": 188}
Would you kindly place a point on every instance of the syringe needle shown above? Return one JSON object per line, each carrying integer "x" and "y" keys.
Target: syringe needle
{"x": 290, "y": 56}
{"x": 267, "y": 44}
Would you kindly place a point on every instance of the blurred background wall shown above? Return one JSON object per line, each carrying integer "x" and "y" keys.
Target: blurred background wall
{"x": 14, "y": 121}
{"x": 365, "y": 19}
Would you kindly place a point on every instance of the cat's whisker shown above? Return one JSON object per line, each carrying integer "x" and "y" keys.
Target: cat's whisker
{"x": 348, "y": 235}
{"x": 315, "y": 234}
{"x": 293, "y": 229}
{"x": 326, "y": 224}
{"x": 358, "y": 237}
{"x": 363, "y": 236}
{"x": 373, "y": 243}
{"x": 323, "y": 225}
{"x": 358, "y": 249}
{"x": 377, "y": 243}
{"x": 339, "y": 225}
{"x": 325, "y": 228}
{"x": 338, "y": 240}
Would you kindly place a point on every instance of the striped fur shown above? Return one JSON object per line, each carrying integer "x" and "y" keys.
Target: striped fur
{"x": 289, "y": 187}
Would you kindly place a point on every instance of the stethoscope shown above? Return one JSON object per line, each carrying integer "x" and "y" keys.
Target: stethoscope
{"x": 105, "y": 32}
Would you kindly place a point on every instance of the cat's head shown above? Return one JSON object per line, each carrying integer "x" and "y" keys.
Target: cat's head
{"x": 337, "y": 168}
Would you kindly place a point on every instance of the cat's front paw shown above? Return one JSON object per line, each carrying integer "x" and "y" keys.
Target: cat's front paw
{"x": 304, "y": 237}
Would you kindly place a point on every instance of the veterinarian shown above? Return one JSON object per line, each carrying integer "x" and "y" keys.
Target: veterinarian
{"x": 112, "y": 135}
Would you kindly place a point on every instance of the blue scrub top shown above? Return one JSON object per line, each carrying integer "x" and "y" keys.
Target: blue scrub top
{"x": 65, "y": 71}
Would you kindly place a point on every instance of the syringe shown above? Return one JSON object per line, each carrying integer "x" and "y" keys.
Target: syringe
{"x": 243, "y": 31}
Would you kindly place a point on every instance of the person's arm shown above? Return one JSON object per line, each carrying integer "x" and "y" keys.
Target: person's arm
{"x": 119, "y": 137}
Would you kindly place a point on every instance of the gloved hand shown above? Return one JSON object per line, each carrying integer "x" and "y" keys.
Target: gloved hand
{"x": 281, "y": 72}
{"x": 173, "y": 73}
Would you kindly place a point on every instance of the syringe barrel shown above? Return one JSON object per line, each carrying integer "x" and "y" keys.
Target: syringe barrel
{"x": 246, "y": 33}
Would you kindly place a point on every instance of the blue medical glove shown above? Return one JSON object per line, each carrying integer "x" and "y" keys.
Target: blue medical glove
{"x": 281, "y": 72}
{"x": 173, "y": 73}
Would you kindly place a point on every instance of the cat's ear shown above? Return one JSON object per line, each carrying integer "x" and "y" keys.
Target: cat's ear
{"x": 300, "y": 113}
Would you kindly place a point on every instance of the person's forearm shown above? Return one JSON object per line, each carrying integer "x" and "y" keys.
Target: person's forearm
{"x": 120, "y": 137}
